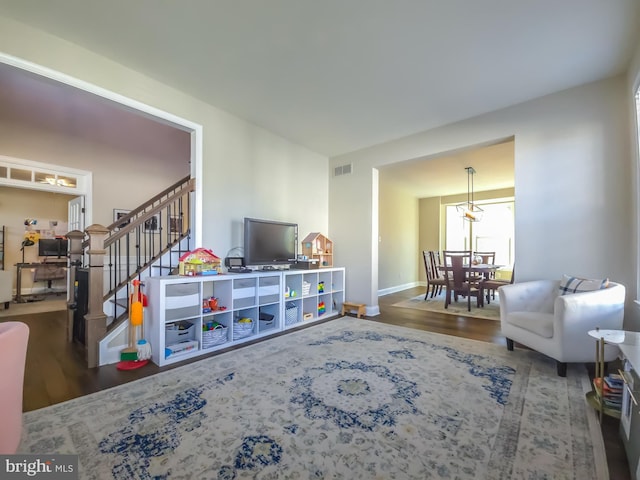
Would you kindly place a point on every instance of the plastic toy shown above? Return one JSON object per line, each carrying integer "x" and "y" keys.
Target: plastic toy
{"x": 138, "y": 353}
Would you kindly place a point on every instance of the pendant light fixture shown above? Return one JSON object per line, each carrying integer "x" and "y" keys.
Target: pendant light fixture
{"x": 470, "y": 211}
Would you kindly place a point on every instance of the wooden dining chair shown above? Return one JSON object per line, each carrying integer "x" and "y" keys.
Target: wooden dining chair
{"x": 486, "y": 258}
{"x": 435, "y": 282}
{"x": 488, "y": 287}
{"x": 457, "y": 281}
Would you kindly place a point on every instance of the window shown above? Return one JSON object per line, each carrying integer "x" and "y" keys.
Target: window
{"x": 494, "y": 233}
{"x": 15, "y": 172}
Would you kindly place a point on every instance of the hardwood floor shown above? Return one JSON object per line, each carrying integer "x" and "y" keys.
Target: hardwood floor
{"x": 55, "y": 372}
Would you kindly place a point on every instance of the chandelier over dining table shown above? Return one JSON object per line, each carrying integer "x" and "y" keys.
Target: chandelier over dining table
{"x": 468, "y": 210}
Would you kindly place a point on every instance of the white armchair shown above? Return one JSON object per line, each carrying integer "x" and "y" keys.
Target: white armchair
{"x": 534, "y": 314}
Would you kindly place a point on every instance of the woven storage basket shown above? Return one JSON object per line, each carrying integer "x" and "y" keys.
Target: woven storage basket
{"x": 291, "y": 314}
{"x": 242, "y": 330}
{"x": 217, "y": 336}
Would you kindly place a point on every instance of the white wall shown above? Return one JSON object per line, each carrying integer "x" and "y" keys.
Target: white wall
{"x": 633, "y": 83}
{"x": 247, "y": 171}
{"x": 574, "y": 194}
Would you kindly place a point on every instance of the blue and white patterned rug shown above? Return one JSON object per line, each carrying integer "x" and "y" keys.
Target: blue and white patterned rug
{"x": 343, "y": 400}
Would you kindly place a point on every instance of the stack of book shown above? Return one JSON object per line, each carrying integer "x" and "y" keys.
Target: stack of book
{"x": 611, "y": 389}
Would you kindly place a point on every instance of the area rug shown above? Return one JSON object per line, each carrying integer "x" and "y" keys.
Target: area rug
{"x": 436, "y": 304}
{"x": 342, "y": 400}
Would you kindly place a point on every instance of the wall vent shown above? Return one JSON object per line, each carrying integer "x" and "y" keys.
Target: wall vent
{"x": 342, "y": 170}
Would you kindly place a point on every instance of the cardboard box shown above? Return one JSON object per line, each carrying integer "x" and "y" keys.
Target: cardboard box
{"x": 180, "y": 348}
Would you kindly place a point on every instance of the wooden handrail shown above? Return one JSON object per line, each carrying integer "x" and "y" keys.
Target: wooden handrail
{"x": 188, "y": 187}
{"x": 132, "y": 214}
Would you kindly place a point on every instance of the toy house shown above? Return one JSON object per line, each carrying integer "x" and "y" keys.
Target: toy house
{"x": 200, "y": 261}
{"x": 317, "y": 246}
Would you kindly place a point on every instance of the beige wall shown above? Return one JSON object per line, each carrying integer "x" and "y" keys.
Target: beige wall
{"x": 16, "y": 205}
{"x": 430, "y": 226}
{"x": 398, "y": 239}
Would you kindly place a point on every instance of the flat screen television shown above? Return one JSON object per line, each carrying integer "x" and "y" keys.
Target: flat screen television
{"x": 269, "y": 243}
{"x": 53, "y": 247}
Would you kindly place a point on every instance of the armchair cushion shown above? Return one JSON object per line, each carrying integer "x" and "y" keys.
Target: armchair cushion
{"x": 538, "y": 323}
{"x": 570, "y": 284}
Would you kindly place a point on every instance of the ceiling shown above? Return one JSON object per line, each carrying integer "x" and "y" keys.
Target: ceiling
{"x": 446, "y": 175}
{"x": 337, "y": 76}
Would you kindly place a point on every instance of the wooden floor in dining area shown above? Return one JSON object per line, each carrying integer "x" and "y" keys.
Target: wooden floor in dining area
{"x": 55, "y": 372}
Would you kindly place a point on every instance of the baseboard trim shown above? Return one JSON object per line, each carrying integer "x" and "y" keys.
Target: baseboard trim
{"x": 398, "y": 288}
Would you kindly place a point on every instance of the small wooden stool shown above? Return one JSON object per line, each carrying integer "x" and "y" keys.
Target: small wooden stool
{"x": 360, "y": 307}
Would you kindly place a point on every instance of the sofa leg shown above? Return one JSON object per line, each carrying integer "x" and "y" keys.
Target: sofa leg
{"x": 509, "y": 344}
{"x": 562, "y": 369}
{"x": 6, "y": 305}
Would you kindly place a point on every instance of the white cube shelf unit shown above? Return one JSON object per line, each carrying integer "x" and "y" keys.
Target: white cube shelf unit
{"x": 312, "y": 295}
{"x": 176, "y": 302}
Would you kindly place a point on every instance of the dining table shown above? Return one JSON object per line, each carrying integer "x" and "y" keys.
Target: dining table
{"x": 485, "y": 269}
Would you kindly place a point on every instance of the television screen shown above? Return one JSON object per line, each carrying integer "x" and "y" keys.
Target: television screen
{"x": 52, "y": 247}
{"x": 269, "y": 243}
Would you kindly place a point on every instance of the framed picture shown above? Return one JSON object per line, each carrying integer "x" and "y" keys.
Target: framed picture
{"x": 118, "y": 214}
{"x": 152, "y": 225}
{"x": 175, "y": 225}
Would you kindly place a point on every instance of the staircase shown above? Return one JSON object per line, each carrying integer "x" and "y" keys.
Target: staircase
{"x": 147, "y": 241}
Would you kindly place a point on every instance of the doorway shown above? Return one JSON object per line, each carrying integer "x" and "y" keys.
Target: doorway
{"x": 412, "y": 198}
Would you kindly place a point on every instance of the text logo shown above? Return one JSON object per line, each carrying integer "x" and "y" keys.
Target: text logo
{"x": 52, "y": 467}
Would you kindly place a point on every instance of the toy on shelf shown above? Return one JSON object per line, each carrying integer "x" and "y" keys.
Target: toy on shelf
{"x": 200, "y": 261}
{"x": 138, "y": 353}
{"x": 318, "y": 248}
{"x": 322, "y": 309}
{"x": 211, "y": 305}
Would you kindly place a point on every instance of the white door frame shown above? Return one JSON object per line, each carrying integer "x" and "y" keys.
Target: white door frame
{"x": 148, "y": 111}
{"x": 83, "y": 186}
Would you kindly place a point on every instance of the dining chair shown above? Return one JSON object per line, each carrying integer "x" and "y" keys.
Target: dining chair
{"x": 435, "y": 282}
{"x": 437, "y": 260}
{"x": 486, "y": 258}
{"x": 488, "y": 287}
{"x": 457, "y": 280}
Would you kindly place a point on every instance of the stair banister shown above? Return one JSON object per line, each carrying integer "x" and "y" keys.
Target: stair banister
{"x": 76, "y": 252}
{"x": 96, "y": 245}
{"x": 137, "y": 221}
{"x": 96, "y": 320}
